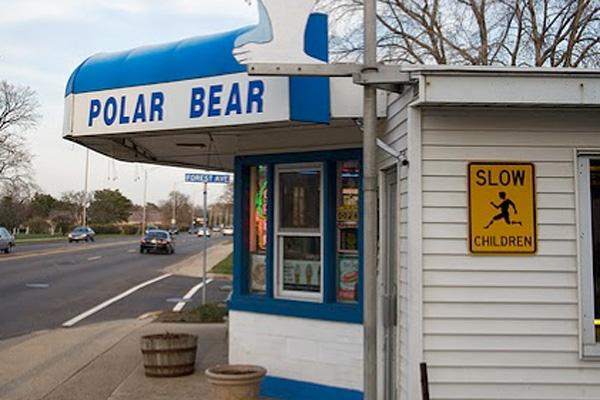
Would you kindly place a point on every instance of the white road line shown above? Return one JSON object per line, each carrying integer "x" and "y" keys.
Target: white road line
{"x": 37, "y": 285}
{"x": 107, "y": 303}
{"x": 94, "y": 258}
{"x": 179, "y": 306}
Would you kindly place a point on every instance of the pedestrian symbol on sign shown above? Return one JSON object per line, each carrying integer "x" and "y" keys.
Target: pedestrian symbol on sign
{"x": 504, "y": 208}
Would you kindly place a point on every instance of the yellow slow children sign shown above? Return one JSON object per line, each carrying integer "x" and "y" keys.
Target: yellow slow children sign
{"x": 502, "y": 211}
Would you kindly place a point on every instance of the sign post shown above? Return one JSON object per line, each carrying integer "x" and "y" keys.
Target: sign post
{"x": 205, "y": 179}
{"x": 502, "y": 210}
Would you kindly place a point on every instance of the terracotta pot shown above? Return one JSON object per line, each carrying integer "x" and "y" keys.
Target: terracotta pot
{"x": 236, "y": 382}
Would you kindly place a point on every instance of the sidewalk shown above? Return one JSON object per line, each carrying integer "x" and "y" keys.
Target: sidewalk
{"x": 103, "y": 361}
{"x": 193, "y": 266}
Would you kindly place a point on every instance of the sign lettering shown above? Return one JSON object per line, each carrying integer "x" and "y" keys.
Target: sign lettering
{"x": 502, "y": 211}
{"x": 207, "y": 178}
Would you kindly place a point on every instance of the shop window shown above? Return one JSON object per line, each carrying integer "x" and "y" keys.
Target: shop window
{"x": 258, "y": 197}
{"x": 297, "y": 246}
{"x": 298, "y": 233}
{"x": 347, "y": 201}
{"x": 589, "y": 208}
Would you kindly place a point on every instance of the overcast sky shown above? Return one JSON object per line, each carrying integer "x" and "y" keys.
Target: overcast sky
{"x": 42, "y": 42}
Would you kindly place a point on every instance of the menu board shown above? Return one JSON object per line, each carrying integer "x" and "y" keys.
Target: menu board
{"x": 302, "y": 275}
{"x": 347, "y": 279}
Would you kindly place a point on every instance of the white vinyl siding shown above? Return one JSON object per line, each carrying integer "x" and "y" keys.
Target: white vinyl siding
{"x": 396, "y": 135}
{"x": 503, "y": 327}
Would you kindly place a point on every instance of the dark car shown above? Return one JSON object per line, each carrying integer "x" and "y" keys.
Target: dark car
{"x": 81, "y": 234}
{"x": 158, "y": 240}
{"x": 174, "y": 230}
{"x": 7, "y": 241}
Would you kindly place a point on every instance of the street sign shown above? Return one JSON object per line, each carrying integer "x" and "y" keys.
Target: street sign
{"x": 207, "y": 178}
{"x": 502, "y": 210}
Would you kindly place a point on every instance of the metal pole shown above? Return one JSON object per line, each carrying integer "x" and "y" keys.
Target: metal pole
{"x": 205, "y": 220}
{"x": 174, "y": 217}
{"x": 85, "y": 190}
{"x": 370, "y": 208}
{"x": 144, "y": 203}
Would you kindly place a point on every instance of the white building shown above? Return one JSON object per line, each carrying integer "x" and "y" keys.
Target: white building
{"x": 498, "y": 325}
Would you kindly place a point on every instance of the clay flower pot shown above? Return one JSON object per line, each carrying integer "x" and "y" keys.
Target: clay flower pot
{"x": 236, "y": 382}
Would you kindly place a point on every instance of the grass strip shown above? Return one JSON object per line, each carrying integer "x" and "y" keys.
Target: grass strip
{"x": 225, "y": 266}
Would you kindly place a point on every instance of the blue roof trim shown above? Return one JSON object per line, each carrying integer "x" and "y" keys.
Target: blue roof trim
{"x": 310, "y": 96}
{"x": 197, "y": 57}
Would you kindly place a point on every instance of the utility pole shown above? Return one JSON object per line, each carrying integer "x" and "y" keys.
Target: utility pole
{"x": 144, "y": 203}
{"x": 174, "y": 217}
{"x": 85, "y": 186}
{"x": 370, "y": 233}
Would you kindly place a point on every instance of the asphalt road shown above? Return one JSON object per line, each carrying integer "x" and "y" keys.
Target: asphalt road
{"x": 44, "y": 285}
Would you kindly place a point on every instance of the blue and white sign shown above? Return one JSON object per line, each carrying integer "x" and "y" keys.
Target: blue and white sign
{"x": 202, "y": 81}
{"x": 207, "y": 178}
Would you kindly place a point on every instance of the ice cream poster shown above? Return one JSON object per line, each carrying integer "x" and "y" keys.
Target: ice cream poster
{"x": 302, "y": 275}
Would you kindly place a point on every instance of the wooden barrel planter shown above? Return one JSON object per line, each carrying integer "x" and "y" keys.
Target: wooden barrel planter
{"x": 169, "y": 354}
{"x": 236, "y": 382}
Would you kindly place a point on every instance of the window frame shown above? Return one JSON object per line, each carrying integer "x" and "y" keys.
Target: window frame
{"x": 328, "y": 308}
{"x": 590, "y": 348}
{"x": 280, "y": 233}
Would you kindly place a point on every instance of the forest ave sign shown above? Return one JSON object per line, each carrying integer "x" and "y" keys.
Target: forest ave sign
{"x": 502, "y": 210}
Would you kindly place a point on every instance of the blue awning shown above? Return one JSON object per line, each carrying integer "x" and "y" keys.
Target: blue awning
{"x": 203, "y": 57}
{"x": 197, "y": 57}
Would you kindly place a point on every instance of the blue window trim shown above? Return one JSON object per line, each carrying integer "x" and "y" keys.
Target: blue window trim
{"x": 242, "y": 299}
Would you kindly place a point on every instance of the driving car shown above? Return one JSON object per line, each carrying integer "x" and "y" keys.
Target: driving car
{"x": 203, "y": 232}
{"x": 228, "y": 231}
{"x": 216, "y": 228}
{"x": 82, "y": 233}
{"x": 7, "y": 241}
{"x": 158, "y": 240}
{"x": 173, "y": 230}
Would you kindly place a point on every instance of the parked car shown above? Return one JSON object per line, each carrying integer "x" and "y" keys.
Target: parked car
{"x": 7, "y": 241}
{"x": 158, "y": 240}
{"x": 203, "y": 232}
{"x": 228, "y": 231}
{"x": 216, "y": 228}
{"x": 82, "y": 233}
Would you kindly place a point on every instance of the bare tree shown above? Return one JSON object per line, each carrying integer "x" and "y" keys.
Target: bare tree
{"x": 554, "y": 33}
{"x": 18, "y": 114}
{"x": 178, "y": 206}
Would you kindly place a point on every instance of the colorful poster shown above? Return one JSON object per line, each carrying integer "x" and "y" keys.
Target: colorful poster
{"x": 302, "y": 275}
{"x": 260, "y": 204}
{"x": 258, "y": 271}
{"x": 348, "y": 279}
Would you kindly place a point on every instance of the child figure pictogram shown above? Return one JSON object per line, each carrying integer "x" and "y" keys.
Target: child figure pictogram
{"x": 504, "y": 208}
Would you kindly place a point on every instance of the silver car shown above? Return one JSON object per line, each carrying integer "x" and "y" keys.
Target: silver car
{"x": 7, "y": 241}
